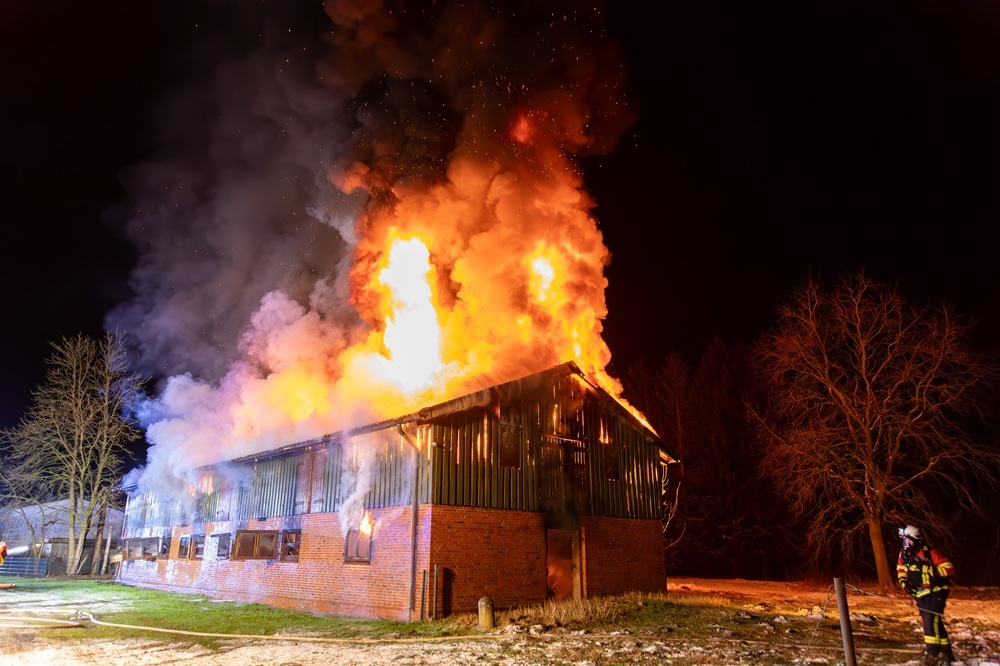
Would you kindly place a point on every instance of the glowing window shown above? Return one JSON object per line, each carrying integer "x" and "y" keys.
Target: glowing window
{"x": 510, "y": 444}
{"x": 612, "y": 462}
{"x": 359, "y": 547}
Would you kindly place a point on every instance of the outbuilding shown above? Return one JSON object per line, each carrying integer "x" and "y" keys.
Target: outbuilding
{"x": 537, "y": 488}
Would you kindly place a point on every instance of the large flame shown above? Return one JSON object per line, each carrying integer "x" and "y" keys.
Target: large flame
{"x": 473, "y": 258}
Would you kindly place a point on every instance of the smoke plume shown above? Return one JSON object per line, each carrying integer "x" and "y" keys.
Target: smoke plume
{"x": 434, "y": 141}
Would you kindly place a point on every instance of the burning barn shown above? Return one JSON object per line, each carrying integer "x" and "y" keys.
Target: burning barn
{"x": 540, "y": 487}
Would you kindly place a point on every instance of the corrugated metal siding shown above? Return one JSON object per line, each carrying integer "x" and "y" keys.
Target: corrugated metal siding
{"x": 306, "y": 482}
{"x": 560, "y": 434}
{"x": 561, "y": 458}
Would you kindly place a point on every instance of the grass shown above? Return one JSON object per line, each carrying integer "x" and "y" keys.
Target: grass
{"x": 121, "y": 604}
{"x": 683, "y": 617}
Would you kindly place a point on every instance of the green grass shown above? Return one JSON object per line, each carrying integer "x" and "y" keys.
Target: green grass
{"x": 692, "y": 618}
{"x": 121, "y": 604}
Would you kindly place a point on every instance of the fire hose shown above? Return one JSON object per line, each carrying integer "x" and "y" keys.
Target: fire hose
{"x": 371, "y": 641}
{"x": 302, "y": 639}
{"x": 27, "y": 622}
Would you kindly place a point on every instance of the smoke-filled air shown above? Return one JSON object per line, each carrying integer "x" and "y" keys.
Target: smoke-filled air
{"x": 363, "y": 211}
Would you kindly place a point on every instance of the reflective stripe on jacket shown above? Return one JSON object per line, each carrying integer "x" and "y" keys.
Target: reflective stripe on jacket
{"x": 924, "y": 571}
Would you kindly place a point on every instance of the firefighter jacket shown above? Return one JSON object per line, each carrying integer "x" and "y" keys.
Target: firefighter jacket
{"x": 923, "y": 571}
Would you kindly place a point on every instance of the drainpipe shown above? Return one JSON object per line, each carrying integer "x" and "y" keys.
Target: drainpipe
{"x": 413, "y": 521}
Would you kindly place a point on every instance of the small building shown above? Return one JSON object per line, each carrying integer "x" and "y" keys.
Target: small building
{"x": 41, "y": 531}
{"x": 537, "y": 488}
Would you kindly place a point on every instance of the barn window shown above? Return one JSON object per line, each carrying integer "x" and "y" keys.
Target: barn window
{"x": 198, "y": 547}
{"x": 612, "y": 462}
{"x": 359, "y": 547}
{"x": 150, "y": 548}
{"x": 290, "y": 542}
{"x": 359, "y": 542}
{"x": 256, "y": 545}
{"x": 222, "y": 545}
{"x": 510, "y": 445}
{"x": 184, "y": 547}
{"x": 133, "y": 549}
{"x": 164, "y": 547}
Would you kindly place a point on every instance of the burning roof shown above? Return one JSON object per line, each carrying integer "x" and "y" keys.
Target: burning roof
{"x": 485, "y": 397}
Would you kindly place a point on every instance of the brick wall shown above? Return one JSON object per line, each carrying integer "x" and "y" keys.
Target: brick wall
{"x": 319, "y": 582}
{"x": 486, "y": 552}
{"x": 480, "y": 552}
{"x": 622, "y": 554}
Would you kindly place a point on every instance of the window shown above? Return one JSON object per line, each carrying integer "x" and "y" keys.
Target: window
{"x": 359, "y": 546}
{"x": 612, "y": 464}
{"x": 150, "y": 548}
{"x": 191, "y": 547}
{"x": 133, "y": 549}
{"x": 510, "y": 445}
{"x": 290, "y": 542}
{"x": 222, "y": 546}
{"x": 256, "y": 545}
{"x": 164, "y": 547}
{"x": 198, "y": 547}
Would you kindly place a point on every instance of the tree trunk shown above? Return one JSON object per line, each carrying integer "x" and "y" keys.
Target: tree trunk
{"x": 95, "y": 564}
{"x": 886, "y": 579}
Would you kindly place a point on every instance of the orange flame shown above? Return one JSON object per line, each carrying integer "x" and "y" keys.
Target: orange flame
{"x": 366, "y": 525}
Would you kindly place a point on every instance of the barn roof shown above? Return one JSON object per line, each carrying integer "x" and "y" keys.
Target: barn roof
{"x": 480, "y": 398}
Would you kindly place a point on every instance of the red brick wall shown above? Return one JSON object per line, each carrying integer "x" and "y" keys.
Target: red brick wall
{"x": 622, "y": 554}
{"x": 487, "y": 552}
{"x": 480, "y": 552}
{"x": 319, "y": 582}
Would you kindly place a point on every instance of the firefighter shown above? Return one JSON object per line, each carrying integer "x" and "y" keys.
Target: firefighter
{"x": 923, "y": 572}
{"x": 3, "y": 551}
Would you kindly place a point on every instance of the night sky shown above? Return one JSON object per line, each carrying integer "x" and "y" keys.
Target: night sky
{"x": 773, "y": 140}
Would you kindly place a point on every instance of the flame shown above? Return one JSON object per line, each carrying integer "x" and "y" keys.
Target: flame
{"x": 474, "y": 258}
{"x": 412, "y": 334}
{"x": 366, "y": 525}
{"x": 522, "y": 131}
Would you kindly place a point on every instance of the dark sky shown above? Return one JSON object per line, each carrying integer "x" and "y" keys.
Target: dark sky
{"x": 773, "y": 139}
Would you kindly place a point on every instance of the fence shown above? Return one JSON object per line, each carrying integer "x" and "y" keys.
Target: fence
{"x": 29, "y": 567}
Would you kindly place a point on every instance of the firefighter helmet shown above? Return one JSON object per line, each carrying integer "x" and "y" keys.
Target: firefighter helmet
{"x": 910, "y": 532}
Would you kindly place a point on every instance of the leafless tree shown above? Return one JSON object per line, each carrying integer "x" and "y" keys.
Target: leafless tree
{"x": 871, "y": 404}
{"x": 72, "y": 440}
{"x": 26, "y": 504}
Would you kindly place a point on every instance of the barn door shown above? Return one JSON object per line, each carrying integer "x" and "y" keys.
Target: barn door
{"x": 563, "y": 480}
{"x": 562, "y": 559}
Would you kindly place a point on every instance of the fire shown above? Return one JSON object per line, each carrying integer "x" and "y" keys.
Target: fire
{"x": 522, "y": 132}
{"x": 412, "y": 333}
{"x": 469, "y": 254}
{"x": 366, "y": 525}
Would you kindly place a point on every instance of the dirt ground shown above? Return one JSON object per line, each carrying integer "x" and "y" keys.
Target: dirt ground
{"x": 973, "y": 618}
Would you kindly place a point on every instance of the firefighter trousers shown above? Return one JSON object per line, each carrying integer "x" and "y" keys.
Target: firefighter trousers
{"x": 931, "y": 609}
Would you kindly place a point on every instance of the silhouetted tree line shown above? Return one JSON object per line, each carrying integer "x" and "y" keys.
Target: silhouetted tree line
{"x": 803, "y": 451}
{"x": 729, "y": 521}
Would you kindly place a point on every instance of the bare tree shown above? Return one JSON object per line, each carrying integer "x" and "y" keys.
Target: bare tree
{"x": 72, "y": 440}
{"x": 27, "y": 504}
{"x": 872, "y": 399}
